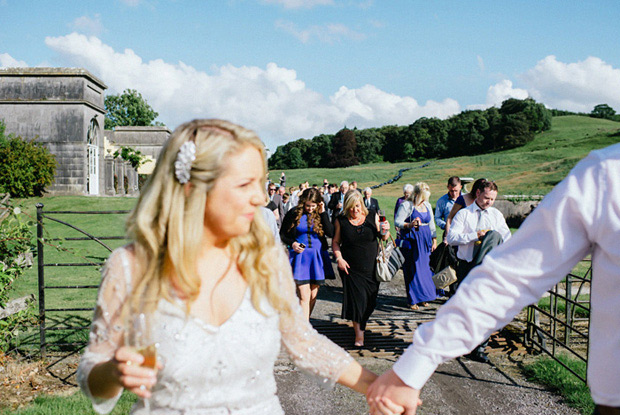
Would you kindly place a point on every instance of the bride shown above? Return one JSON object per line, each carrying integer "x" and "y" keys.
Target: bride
{"x": 204, "y": 263}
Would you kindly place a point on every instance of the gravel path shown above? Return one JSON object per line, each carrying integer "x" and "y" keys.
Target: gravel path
{"x": 460, "y": 386}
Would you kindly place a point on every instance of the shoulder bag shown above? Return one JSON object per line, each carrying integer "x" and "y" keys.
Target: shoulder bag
{"x": 389, "y": 260}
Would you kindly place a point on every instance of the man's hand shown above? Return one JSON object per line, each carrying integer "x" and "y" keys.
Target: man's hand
{"x": 481, "y": 233}
{"x": 388, "y": 389}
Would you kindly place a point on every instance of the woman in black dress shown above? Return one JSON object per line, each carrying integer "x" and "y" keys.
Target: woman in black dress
{"x": 355, "y": 247}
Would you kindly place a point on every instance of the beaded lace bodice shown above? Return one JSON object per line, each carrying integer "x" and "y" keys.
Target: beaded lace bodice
{"x": 208, "y": 369}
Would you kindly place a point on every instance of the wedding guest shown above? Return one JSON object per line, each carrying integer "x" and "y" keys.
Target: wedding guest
{"x": 355, "y": 248}
{"x": 305, "y": 230}
{"x": 417, "y": 233}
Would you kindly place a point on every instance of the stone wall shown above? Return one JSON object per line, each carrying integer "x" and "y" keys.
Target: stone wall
{"x": 148, "y": 140}
{"x": 515, "y": 211}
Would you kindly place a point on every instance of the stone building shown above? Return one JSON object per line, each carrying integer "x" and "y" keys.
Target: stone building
{"x": 64, "y": 109}
{"x": 147, "y": 140}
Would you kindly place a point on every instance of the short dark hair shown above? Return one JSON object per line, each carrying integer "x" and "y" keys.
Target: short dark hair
{"x": 454, "y": 180}
{"x": 488, "y": 184}
{"x": 477, "y": 185}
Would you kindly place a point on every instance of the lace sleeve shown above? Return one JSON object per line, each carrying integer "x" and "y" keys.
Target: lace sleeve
{"x": 106, "y": 331}
{"x": 312, "y": 352}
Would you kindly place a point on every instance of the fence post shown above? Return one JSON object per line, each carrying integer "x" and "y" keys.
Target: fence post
{"x": 569, "y": 309}
{"x": 41, "y": 275}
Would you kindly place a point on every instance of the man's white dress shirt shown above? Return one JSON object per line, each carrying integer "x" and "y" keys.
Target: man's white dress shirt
{"x": 466, "y": 224}
{"x": 580, "y": 216}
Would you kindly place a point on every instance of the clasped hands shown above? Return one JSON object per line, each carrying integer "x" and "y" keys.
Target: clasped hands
{"x": 389, "y": 395}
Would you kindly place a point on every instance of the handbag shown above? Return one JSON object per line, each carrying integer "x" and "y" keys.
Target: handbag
{"x": 444, "y": 277}
{"x": 389, "y": 261}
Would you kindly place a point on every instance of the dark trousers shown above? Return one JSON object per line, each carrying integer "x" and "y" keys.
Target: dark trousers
{"x": 489, "y": 241}
{"x": 606, "y": 410}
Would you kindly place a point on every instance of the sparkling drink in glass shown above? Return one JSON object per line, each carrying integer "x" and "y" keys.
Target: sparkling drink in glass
{"x": 140, "y": 337}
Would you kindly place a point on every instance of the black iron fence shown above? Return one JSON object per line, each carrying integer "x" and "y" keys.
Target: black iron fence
{"x": 69, "y": 263}
{"x": 559, "y": 323}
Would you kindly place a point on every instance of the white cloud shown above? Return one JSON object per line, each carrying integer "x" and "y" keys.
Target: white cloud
{"x": 369, "y": 106}
{"x": 329, "y": 33}
{"x": 575, "y": 86}
{"x": 300, "y": 4}
{"x": 7, "y": 61}
{"x": 270, "y": 100}
{"x": 503, "y": 90}
{"x": 498, "y": 93}
{"x": 480, "y": 63}
{"x": 85, "y": 24}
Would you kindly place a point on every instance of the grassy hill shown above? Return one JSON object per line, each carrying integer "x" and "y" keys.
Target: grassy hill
{"x": 533, "y": 169}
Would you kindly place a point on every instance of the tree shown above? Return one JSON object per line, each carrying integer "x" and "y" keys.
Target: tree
{"x": 320, "y": 148}
{"x": 345, "y": 147}
{"x": 128, "y": 108}
{"x": 369, "y": 145}
{"x": 135, "y": 157}
{"x": 467, "y": 133}
{"x": 603, "y": 111}
{"x": 296, "y": 161}
{"x": 537, "y": 115}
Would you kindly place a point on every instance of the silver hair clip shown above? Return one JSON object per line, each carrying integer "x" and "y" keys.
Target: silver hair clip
{"x": 183, "y": 163}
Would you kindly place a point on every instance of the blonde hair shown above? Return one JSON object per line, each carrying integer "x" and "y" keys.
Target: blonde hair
{"x": 350, "y": 199}
{"x": 421, "y": 193}
{"x": 167, "y": 223}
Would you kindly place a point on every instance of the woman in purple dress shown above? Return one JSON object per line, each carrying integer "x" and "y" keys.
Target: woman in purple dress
{"x": 417, "y": 224}
{"x": 304, "y": 230}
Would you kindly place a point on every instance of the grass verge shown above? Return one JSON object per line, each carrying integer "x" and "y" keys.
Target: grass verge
{"x": 545, "y": 304}
{"x": 72, "y": 404}
{"x": 550, "y": 373}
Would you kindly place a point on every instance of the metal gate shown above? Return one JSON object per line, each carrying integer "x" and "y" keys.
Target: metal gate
{"x": 66, "y": 297}
{"x": 563, "y": 325}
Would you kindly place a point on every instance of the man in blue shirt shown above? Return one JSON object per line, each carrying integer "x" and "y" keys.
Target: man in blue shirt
{"x": 445, "y": 202}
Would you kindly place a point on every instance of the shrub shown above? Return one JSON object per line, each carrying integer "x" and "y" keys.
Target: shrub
{"x": 15, "y": 255}
{"x": 27, "y": 167}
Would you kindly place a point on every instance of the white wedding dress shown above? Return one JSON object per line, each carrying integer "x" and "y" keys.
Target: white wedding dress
{"x": 211, "y": 370}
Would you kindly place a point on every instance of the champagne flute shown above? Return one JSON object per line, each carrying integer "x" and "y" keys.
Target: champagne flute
{"x": 140, "y": 337}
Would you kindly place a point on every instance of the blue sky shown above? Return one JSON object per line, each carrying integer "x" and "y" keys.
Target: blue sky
{"x": 297, "y": 68}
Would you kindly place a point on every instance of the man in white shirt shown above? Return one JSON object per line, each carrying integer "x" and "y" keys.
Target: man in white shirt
{"x": 580, "y": 216}
{"x": 476, "y": 230}
{"x": 471, "y": 227}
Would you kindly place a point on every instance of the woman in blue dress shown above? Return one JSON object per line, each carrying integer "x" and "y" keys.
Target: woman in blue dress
{"x": 305, "y": 230}
{"x": 418, "y": 240}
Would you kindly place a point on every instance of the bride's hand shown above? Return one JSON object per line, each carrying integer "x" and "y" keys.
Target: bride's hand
{"x": 130, "y": 375}
{"x": 385, "y": 406}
